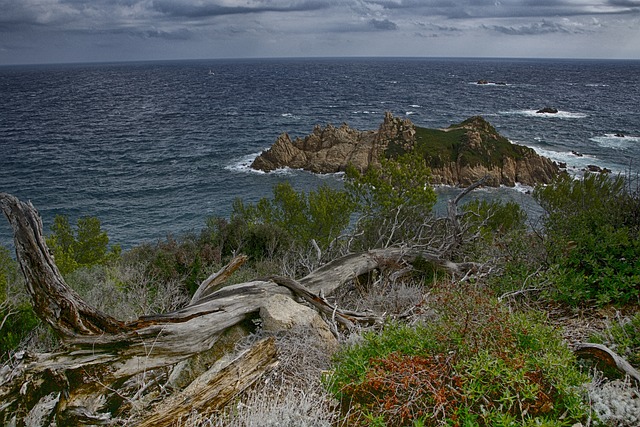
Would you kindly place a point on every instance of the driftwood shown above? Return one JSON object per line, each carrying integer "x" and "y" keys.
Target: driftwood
{"x": 94, "y": 380}
{"x": 607, "y": 357}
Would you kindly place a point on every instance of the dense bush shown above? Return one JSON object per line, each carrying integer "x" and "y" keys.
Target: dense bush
{"x": 592, "y": 237}
{"x": 475, "y": 364}
{"x": 85, "y": 246}
{"x": 320, "y": 215}
{"x": 17, "y": 322}
{"x": 7, "y": 271}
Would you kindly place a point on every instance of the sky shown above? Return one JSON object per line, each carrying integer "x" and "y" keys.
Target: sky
{"x": 63, "y": 31}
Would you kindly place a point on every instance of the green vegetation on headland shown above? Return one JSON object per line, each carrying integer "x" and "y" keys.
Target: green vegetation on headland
{"x": 483, "y": 146}
{"x": 480, "y": 350}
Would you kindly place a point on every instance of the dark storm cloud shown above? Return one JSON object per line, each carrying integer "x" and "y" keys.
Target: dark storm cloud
{"x": 533, "y": 29}
{"x": 626, "y": 3}
{"x": 384, "y": 25}
{"x": 191, "y": 9}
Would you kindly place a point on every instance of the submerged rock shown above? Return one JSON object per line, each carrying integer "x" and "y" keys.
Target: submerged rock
{"x": 548, "y": 110}
{"x": 458, "y": 155}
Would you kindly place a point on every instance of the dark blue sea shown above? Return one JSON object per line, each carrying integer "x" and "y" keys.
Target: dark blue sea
{"x": 155, "y": 148}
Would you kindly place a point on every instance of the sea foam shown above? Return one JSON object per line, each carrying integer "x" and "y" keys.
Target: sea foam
{"x": 610, "y": 140}
{"x": 559, "y": 115}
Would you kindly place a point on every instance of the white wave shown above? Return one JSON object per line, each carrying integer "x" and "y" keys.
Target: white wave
{"x": 490, "y": 84}
{"x": 568, "y": 157}
{"x": 610, "y": 140}
{"x": 534, "y": 113}
{"x": 365, "y": 112}
{"x": 243, "y": 164}
{"x": 521, "y": 188}
{"x": 415, "y": 106}
{"x": 410, "y": 113}
{"x": 597, "y": 85}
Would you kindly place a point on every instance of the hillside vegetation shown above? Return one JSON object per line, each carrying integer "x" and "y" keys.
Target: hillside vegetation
{"x": 477, "y": 331}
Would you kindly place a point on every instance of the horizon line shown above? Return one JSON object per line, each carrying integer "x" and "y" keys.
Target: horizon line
{"x": 293, "y": 58}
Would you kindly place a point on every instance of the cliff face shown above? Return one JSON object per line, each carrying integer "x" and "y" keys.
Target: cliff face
{"x": 459, "y": 155}
{"x": 332, "y": 149}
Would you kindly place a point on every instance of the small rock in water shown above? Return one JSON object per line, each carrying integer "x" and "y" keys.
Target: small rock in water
{"x": 549, "y": 110}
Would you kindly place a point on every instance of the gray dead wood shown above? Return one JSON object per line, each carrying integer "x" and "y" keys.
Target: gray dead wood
{"x": 216, "y": 387}
{"x": 609, "y": 358}
{"x": 218, "y": 279}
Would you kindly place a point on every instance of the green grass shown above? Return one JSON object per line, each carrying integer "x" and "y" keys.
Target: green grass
{"x": 441, "y": 147}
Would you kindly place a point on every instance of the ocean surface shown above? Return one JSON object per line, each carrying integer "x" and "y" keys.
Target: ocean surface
{"x": 155, "y": 148}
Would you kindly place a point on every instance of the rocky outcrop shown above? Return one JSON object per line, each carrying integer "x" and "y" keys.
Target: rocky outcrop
{"x": 476, "y": 149}
{"x": 547, "y": 110}
{"x": 331, "y": 149}
{"x": 458, "y": 155}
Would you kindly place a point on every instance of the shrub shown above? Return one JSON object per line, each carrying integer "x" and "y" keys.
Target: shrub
{"x": 494, "y": 219}
{"x": 187, "y": 259}
{"x": 321, "y": 215}
{"x": 394, "y": 200}
{"x": 592, "y": 237}
{"x": 7, "y": 270}
{"x": 16, "y": 324}
{"x": 85, "y": 246}
{"x": 476, "y": 364}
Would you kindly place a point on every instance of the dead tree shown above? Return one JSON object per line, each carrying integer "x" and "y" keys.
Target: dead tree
{"x": 107, "y": 364}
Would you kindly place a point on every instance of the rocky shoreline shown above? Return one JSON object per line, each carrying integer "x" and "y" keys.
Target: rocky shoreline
{"x": 458, "y": 155}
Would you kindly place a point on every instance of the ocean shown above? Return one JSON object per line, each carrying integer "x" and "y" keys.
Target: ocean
{"x": 154, "y": 148}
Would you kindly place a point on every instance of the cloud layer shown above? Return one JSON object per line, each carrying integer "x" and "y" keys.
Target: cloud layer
{"x": 33, "y": 31}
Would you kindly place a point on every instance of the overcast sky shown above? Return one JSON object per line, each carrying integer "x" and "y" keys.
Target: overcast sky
{"x": 44, "y": 31}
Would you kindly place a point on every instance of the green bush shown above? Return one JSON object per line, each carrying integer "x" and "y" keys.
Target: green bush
{"x": 187, "y": 259}
{"x": 477, "y": 364}
{"x": 85, "y": 246}
{"x": 321, "y": 215}
{"x": 394, "y": 201}
{"x": 494, "y": 219}
{"x": 7, "y": 269}
{"x": 17, "y": 318}
{"x": 17, "y": 323}
{"x": 592, "y": 237}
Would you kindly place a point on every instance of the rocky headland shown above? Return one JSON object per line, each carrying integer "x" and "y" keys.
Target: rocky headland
{"x": 458, "y": 155}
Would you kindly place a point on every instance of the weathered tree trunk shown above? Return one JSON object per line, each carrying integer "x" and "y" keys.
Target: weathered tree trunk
{"x": 53, "y": 300}
{"x": 90, "y": 382}
{"x": 216, "y": 387}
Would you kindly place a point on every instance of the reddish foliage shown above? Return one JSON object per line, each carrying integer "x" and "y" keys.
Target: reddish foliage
{"x": 404, "y": 388}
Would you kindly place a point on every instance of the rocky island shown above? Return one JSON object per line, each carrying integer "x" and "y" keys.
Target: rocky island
{"x": 458, "y": 155}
